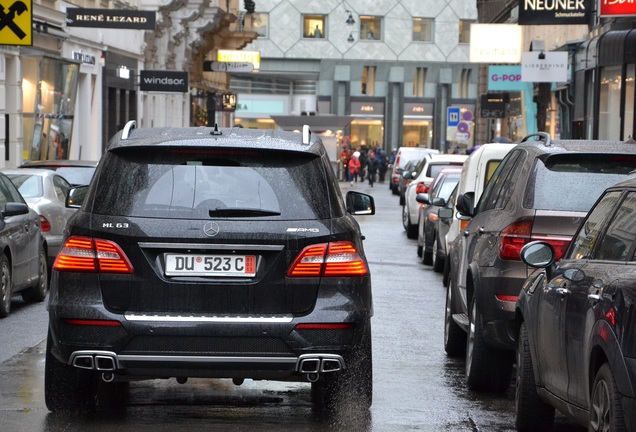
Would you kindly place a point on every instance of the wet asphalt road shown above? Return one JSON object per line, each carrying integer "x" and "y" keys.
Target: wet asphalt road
{"x": 416, "y": 387}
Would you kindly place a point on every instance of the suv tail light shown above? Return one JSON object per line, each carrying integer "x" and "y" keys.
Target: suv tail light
{"x": 85, "y": 254}
{"x": 516, "y": 235}
{"x": 421, "y": 188}
{"x": 45, "y": 225}
{"x": 338, "y": 259}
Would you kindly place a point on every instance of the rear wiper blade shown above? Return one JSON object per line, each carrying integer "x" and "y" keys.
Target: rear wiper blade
{"x": 242, "y": 212}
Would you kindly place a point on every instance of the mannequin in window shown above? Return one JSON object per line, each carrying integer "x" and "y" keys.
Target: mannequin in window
{"x": 317, "y": 32}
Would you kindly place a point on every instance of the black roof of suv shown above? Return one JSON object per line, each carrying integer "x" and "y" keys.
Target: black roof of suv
{"x": 541, "y": 191}
{"x": 200, "y": 252}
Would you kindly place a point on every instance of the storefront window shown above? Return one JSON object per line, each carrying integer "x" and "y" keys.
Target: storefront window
{"x": 610, "y": 103}
{"x": 417, "y": 133}
{"x": 367, "y": 133}
{"x": 629, "y": 101}
{"x": 49, "y": 91}
{"x": 314, "y": 26}
{"x": 422, "y": 29}
{"x": 370, "y": 28}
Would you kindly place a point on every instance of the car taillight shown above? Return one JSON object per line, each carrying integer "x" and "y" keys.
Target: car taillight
{"x": 84, "y": 254}
{"x": 45, "y": 225}
{"x": 421, "y": 188}
{"x": 463, "y": 223}
{"x": 515, "y": 236}
{"x": 338, "y": 259}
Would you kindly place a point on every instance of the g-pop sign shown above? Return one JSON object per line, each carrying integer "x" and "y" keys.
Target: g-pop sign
{"x": 505, "y": 78}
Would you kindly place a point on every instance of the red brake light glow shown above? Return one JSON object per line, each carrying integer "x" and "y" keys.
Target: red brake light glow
{"x": 45, "y": 225}
{"x": 516, "y": 235}
{"x": 323, "y": 326}
{"x": 99, "y": 323}
{"x": 338, "y": 259}
{"x": 84, "y": 254}
{"x": 421, "y": 188}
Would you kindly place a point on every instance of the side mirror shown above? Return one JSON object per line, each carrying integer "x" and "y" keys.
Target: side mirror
{"x": 445, "y": 213}
{"x": 14, "y": 209}
{"x": 360, "y": 203}
{"x": 439, "y": 202}
{"x": 76, "y": 197}
{"x": 407, "y": 175}
{"x": 422, "y": 198}
{"x": 466, "y": 204}
{"x": 538, "y": 254}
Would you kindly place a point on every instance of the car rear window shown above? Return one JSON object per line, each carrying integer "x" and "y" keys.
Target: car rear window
{"x": 30, "y": 186}
{"x": 573, "y": 182}
{"x": 186, "y": 183}
{"x": 435, "y": 168}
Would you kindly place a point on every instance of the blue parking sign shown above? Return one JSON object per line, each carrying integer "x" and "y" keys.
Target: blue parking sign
{"x": 453, "y": 116}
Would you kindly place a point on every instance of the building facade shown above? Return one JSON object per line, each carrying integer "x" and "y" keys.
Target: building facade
{"x": 65, "y": 88}
{"x": 386, "y": 72}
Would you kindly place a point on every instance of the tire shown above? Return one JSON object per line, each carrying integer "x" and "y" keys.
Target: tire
{"x": 447, "y": 271}
{"x": 533, "y": 414}
{"x": 352, "y": 388}
{"x": 38, "y": 292}
{"x": 454, "y": 335}
{"x": 68, "y": 389}
{"x": 438, "y": 260}
{"x": 606, "y": 411}
{"x": 6, "y": 286}
{"x": 411, "y": 230}
{"x": 486, "y": 369}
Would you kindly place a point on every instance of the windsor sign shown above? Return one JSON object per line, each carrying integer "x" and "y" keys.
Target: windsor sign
{"x": 163, "y": 81}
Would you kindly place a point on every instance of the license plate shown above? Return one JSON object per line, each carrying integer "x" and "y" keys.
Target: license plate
{"x": 210, "y": 265}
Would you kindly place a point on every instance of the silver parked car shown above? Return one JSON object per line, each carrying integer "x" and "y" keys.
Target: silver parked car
{"x": 45, "y": 192}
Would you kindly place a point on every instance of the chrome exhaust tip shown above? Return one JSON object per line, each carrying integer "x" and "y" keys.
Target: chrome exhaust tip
{"x": 84, "y": 362}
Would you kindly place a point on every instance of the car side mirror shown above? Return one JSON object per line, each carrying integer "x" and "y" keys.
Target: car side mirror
{"x": 439, "y": 202}
{"x": 14, "y": 209}
{"x": 466, "y": 204}
{"x": 422, "y": 198}
{"x": 359, "y": 203}
{"x": 445, "y": 213}
{"x": 407, "y": 175}
{"x": 538, "y": 254}
{"x": 76, "y": 196}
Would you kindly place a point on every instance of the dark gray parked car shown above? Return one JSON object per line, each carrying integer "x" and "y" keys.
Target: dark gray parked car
{"x": 540, "y": 191}
{"x": 200, "y": 252}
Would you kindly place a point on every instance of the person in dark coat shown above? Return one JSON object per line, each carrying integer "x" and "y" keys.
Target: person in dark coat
{"x": 372, "y": 167}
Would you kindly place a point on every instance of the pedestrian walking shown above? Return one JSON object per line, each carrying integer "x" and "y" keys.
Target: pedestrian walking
{"x": 354, "y": 167}
{"x": 383, "y": 165}
{"x": 372, "y": 167}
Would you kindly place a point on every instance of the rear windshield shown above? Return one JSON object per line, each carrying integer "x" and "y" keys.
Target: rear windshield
{"x": 202, "y": 184}
{"x": 573, "y": 182}
{"x": 30, "y": 186}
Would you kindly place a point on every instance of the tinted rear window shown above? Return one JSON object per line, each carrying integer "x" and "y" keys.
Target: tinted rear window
{"x": 194, "y": 184}
{"x": 573, "y": 182}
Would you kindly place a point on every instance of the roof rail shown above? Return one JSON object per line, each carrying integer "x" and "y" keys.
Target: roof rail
{"x": 542, "y": 136}
{"x": 132, "y": 124}
{"x": 306, "y": 134}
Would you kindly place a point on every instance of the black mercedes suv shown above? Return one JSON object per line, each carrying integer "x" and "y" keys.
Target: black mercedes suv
{"x": 206, "y": 252}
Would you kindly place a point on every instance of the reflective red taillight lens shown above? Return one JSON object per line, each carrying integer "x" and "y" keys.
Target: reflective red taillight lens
{"x": 515, "y": 236}
{"x": 45, "y": 225}
{"x": 421, "y": 188}
{"x": 85, "y": 254}
{"x": 337, "y": 259}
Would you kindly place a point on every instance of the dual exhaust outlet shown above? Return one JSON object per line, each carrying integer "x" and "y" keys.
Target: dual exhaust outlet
{"x": 314, "y": 364}
{"x": 98, "y": 361}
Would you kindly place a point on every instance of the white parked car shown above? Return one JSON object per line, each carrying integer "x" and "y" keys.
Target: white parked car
{"x": 432, "y": 166}
{"x": 476, "y": 172}
{"x": 45, "y": 192}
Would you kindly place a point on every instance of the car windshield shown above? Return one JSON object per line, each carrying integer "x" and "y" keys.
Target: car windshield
{"x": 589, "y": 174}
{"x": 196, "y": 184}
{"x": 29, "y": 186}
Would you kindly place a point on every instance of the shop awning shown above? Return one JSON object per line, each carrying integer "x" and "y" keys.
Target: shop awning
{"x": 316, "y": 123}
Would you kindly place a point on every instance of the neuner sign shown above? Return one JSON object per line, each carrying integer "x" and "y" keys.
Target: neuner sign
{"x": 616, "y": 7}
{"x": 537, "y": 12}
